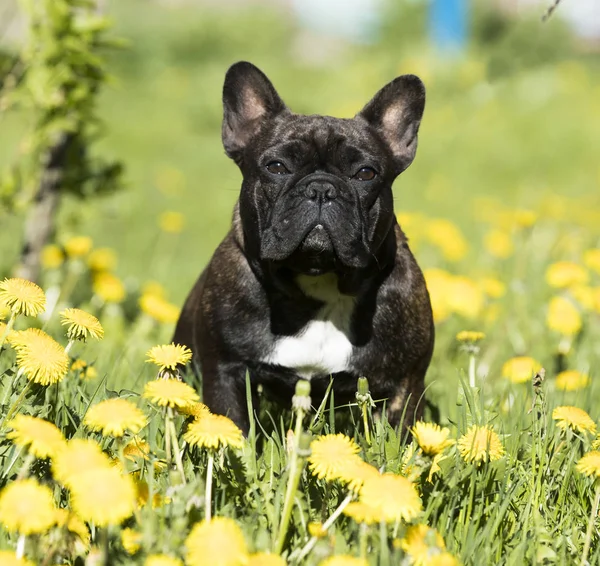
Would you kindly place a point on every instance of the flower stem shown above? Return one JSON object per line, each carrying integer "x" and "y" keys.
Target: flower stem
{"x": 588, "y": 534}
{"x": 208, "y": 492}
{"x": 8, "y": 328}
{"x": 69, "y": 346}
{"x": 15, "y": 405}
{"x": 292, "y": 485}
{"x": 365, "y": 417}
{"x": 173, "y": 433}
{"x": 362, "y": 540}
{"x": 24, "y": 471}
{"x": 472, "y": 370}
{"x": 168, "y": 440}
{"x": 20, "y": 547}
{"x": 384, "y": 551}
{"x": 311, "y": 543}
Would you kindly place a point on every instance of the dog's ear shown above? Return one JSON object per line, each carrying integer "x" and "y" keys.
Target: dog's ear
{"x": 249, "y": 99}
{"x": 395, "y": 112}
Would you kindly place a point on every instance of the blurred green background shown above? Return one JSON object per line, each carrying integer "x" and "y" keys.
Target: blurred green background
{"x": 515, "y": 116}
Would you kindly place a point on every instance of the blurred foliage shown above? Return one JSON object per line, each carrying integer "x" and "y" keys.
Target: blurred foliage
{"x": 61, "y": 71}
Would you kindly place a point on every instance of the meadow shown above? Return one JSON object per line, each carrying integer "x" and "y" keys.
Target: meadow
{"x": 122, "y": 464}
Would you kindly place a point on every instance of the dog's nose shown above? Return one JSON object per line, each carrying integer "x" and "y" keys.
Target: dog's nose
{"x": 319, "y": 190}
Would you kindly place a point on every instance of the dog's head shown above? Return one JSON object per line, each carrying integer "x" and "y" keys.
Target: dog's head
{"x": 317, "y": 190}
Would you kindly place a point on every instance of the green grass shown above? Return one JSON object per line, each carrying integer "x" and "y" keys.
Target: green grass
{"x": 513, "y": 125}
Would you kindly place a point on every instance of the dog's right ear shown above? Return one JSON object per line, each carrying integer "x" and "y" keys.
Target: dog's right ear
{"x": 249, "y": 99}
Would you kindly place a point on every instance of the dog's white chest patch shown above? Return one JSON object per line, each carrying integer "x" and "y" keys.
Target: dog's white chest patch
{"x": 322, "y": 346}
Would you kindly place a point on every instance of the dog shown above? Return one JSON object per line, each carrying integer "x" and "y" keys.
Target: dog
{"x": 315, "y": 279}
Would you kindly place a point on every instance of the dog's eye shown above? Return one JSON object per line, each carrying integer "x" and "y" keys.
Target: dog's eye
{"x": 277, "y": 168}
{"x": 366, "y": 174}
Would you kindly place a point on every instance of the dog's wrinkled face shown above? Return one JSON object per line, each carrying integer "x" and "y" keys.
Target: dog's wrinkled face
{"x": 317, "y": 193}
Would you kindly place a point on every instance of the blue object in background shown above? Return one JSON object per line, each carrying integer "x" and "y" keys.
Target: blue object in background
{"x": 448, "y": 24}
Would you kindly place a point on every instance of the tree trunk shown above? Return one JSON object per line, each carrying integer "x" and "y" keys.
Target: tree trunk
{"x": 41, "y": 219}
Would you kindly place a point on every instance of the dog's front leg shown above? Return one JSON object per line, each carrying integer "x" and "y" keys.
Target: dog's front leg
{"x": 224, "y": 391}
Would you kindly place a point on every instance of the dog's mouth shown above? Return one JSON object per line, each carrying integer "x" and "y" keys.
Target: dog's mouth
{"x": 316, "y": 253}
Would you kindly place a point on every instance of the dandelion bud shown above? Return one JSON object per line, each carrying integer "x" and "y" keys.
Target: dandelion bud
{"x": 363, "y": 386}
{"x": 363, "y": 395}
{"x": 301, "y": 400}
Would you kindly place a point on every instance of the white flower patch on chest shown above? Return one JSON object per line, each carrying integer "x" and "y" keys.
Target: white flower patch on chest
{"x": 322, "y": 346}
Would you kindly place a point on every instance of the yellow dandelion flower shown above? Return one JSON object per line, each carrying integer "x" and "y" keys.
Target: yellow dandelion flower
{"x": 439, "y": 283}
{"x": 158, "y": 308}
{"x": 524, "y": 218}
{"x": 27, "y": 507}
{"x": 465, "y": 297}
{"x": 81, "y": 324}
{"x": 435, "y": 466}
{"x": 8, "y": 558}
{"x": 565, "y": 274}
{"x": 421, "y": 543}
{"x": 409, "y": 469}
{"x": 498, "y": 243}
{"x": 77, "y": 457}
{"x": 162, "y": 560}
{"x": 52, "y": 256}
{"x": 591, "y": 259}
{"x": 171, "y": 222}
{"x": 195, "y": 410}
{"x": 343, "y": 560}
{"x": 212, "y": 431}
{"x": 153, "y": 288}
{"x": 68, "y": 520}
{"x": 356, "y": 473}
{"x": 395, "y": 497}
{"x": 114, "y": 417}
{"x": 86, "y": 372}
{"x": 168, "y": 357}
{"x": 574, "y": 418}
{"x": 265, "y": 559}
{"x": 102, "y": 259}
{"x": 136, "y": 448}
{"x": 103, "y": 496}
{"x": 363, "y": 513}
{"x": 41, "y": 358}
{"x": 443, "y": 559}
{"x": 448, "y": 238}
{"x": 142, "y": 491}
{"x": 170, "y": 393}
{"x": 480, "y": 444}
{"x": 78, "y": 365}
{"x": 431, "y": 437}
{"x": 131, "y": 540}
{"x": 563, "y": 316}
{"x": 492, "y": 287}
{"x": 470, "y": 336}
{"x": 584, "y": 295}
{"x": 219, "y": 542}
{"x": 589, "y": 464}
{"x": 78, "y": 246}
{"x": 331, "y": 455}
{"x": 315, "y": 529}
{"x": 42, "y": 438}
{"x": 22, "y": 296}
{"x": 572, "y": 380}
{"x": 4, "y": 310}
{"x": 520, "y": 369}
{"x": 108, "y": 287}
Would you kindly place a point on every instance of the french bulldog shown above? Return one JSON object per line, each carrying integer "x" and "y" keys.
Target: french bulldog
{"x": 315, "y": 279}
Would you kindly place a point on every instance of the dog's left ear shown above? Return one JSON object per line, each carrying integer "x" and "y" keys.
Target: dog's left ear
{"x": 249, "y": 98}
{"x": 395, "y": 112}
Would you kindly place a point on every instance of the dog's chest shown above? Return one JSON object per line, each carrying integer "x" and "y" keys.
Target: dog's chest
{"x": 323, "y": 346}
